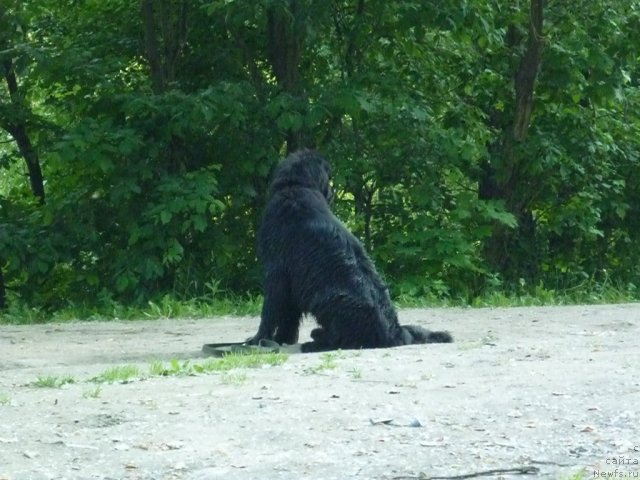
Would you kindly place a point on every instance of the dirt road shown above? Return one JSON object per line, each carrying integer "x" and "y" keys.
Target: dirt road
{"x": 550, "y": 390}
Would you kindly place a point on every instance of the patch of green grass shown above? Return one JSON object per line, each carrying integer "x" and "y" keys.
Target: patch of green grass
{"x": 227, "y": 305}
{"x": 18, "y": 314}
{"x": 118, "y": 374}
{"x": 93, "y": 392}
{"x": 127, "y": 373}
{"x": 157, "y": 369}
{"x": 579, "y": 475}
{"x": 245, "y": 360}
{"x": 590, "y": 292}
{"x": 328, "y": 361}
{"x": 224, "y": 364}
{"x": 355, "y": 373}
{"x": 218, "y": 302}
{"x": 234, "y": 378}
{"x": 52, "y": 381}
{"x": 174, "y": 367}
{"x": 164, "y": 307}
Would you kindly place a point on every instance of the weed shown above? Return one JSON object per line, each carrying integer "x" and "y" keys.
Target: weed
{"x": 119, "y": 374}
{"x": 175, "y": 367}
{"x": 93, "y": 392}
{"x": 164, "y": 307}
{"x": 328, "y": 361}
{"x": 4, "y": 400}
{"x": 157, "y": 369}
{"x": 52, "y": 381}
{"x": 237, "y": 378}
{"x": 208, "y": 306}
{"x": 579, "y": 475}
{"x": 224, "y": 364}
{"x": 218, "y": 302}
{"x": 250, "y": 360}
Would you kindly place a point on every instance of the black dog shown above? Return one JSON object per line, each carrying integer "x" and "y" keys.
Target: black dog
{"x": 313, "y": 264}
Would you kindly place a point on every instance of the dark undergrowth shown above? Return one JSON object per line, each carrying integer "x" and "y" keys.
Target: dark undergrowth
{"x": 249, "y": 305}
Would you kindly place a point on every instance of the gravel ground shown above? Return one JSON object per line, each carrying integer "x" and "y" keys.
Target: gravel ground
{"x": 551, "y": 391}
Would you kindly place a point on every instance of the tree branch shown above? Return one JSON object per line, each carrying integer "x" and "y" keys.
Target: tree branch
{"x": 18, "y": 130}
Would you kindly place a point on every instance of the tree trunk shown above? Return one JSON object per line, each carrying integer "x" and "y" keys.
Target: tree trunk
{"x": 18, "y": 131}
{"x": 513, "y": 252}
{"x": 165, "y": 33}
{"x": 285, "y": 40}
{"x": 528, "y": 71}
{"x": 152, "y": 48}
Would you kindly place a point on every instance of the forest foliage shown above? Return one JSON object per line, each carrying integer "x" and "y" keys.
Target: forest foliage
{"x": 477, "y": 145}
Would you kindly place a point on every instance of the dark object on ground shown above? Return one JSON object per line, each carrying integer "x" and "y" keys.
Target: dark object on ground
{"x": 313, "y": 264}
{"x": 528, "y": 470}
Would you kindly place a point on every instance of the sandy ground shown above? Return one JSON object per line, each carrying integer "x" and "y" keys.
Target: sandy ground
{"x": 557, "y": 389}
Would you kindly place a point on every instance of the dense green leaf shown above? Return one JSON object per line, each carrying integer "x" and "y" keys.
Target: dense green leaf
{"x": 156, "y": 132}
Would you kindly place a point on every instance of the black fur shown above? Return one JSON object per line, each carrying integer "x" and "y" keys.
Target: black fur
{"x": 313, "y": 264}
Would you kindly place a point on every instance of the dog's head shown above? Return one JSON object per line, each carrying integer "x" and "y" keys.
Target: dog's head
{"x": 306, "y": 169}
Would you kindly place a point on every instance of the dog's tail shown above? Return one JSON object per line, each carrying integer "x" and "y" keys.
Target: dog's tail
{"x": 413, "y": 334}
